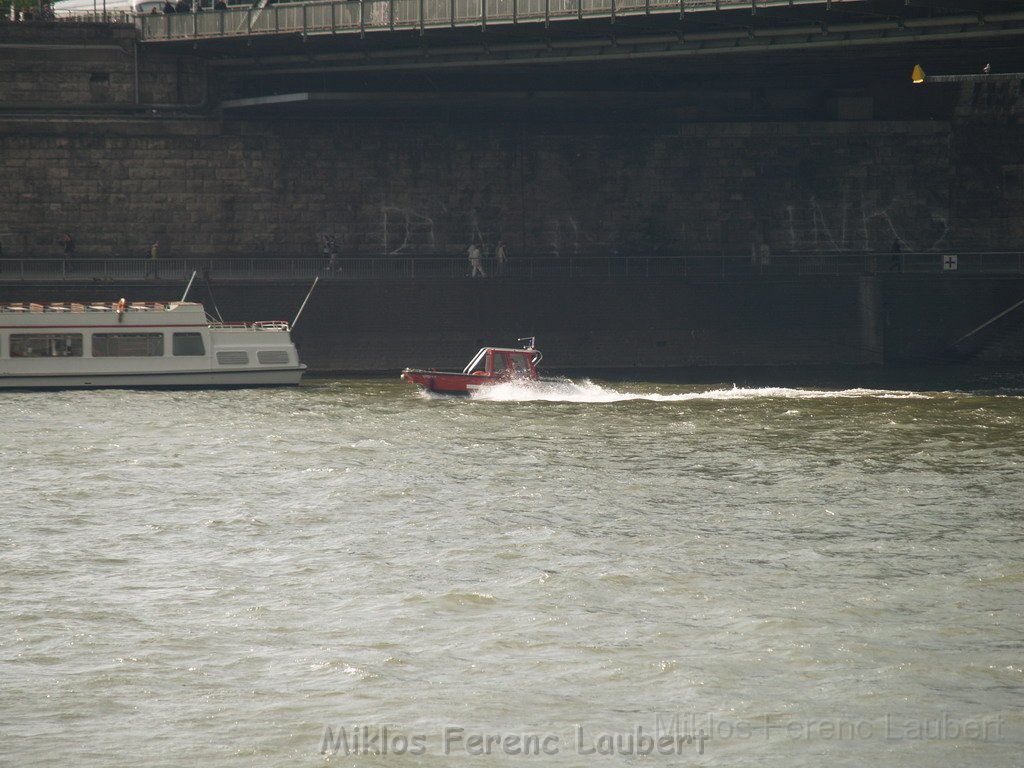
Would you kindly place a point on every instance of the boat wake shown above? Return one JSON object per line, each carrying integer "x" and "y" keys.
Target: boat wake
{"x": 586, "y": 391}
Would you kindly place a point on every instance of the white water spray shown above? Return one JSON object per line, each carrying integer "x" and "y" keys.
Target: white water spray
{"x": 586, "y": 391}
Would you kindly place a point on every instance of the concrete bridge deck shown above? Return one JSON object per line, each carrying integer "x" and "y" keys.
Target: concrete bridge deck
{"x": 567, "y": 28}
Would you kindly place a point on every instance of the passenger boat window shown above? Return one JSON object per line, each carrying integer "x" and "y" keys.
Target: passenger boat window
{"x": 46, "y": 345}
{"x": 127, "y": 345}
{"x": 187, "y": 344}
{"x": 233, "y": 357}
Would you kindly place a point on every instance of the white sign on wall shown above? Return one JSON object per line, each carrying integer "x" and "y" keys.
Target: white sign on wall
{"x": 949, "y": 262}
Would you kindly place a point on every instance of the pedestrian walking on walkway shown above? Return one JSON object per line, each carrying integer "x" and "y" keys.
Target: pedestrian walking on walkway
{"x": 476, "y": 261}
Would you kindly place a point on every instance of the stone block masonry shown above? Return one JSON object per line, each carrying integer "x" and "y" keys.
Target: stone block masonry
{"x": 209, "y": 187}
{"x": 74, "y": 67}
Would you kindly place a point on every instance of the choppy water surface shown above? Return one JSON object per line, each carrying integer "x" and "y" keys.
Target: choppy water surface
{"x": 344, "y": 573}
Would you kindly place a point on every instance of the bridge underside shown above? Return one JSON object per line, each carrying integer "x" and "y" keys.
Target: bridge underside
{"x": 546, "y": 63}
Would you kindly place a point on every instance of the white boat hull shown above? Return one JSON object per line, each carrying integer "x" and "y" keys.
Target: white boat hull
{"x": 164, "y": 380}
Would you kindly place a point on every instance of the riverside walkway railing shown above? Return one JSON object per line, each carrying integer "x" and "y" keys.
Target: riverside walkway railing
{"x": 362, "y": 16}
{"x": 531, "y": 268}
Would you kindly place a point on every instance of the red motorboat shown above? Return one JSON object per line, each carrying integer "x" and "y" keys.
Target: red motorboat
{"x": 491, "y": 365}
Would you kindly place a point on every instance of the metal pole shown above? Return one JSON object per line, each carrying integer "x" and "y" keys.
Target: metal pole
{"x": 136, "y": 83}
{"x": 189, "y": 286}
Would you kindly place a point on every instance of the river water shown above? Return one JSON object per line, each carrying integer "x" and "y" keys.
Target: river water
{"x": 587, "y": 572}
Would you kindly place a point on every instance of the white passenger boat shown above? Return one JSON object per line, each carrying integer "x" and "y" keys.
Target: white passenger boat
{"x": 140, "y": 344}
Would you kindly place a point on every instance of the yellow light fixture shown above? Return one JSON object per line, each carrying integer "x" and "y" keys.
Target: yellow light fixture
{"x": 918, "y": 74}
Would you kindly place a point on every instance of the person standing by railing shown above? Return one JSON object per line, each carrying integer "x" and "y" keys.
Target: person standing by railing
{"x": 154, "y": 260}
{"x": 500, "y": 258}
{"x": 896, "y": 259}
{"x": 67, "y": 244}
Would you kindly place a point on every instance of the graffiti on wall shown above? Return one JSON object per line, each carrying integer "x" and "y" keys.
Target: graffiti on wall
{"x": 406, "y": 230}
{"x": 859, "y": 225}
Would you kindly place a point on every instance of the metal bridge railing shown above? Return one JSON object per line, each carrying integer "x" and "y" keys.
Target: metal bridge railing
{"x": 361, "y": 16}
{"x": 534, "y": 268}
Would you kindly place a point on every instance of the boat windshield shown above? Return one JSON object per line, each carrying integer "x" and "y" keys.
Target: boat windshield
{"x": 502, "y": 363}
{"x": 478, "y": 363}
{"x": 514, "y": 364}
{"x": 520, "y": 366}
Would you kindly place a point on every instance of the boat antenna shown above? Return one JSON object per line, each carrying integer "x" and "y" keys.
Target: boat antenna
{"x": 189, "y": 286}
{"x": 206, "y": 279}
{"x": 311, "y": 289}
{"x": 531, "y": 341}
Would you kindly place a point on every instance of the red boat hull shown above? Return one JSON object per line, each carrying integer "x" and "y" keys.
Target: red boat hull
{"x": 450, "y": 383}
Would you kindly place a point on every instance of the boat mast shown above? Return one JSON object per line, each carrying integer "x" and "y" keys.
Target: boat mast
{"x": 189, "y": 286}
{"x": 311, "y": 289}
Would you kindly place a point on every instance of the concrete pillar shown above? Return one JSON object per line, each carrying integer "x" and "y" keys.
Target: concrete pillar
{"x": 872, "y": 320}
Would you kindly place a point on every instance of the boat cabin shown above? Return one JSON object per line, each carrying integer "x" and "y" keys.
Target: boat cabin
{"x": 503, "y": 363}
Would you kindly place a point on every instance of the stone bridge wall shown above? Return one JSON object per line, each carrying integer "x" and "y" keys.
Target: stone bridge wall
{"x": 206, "y": 187}
{"x": 74, "y": 66}
{"x": 205, "y": 184}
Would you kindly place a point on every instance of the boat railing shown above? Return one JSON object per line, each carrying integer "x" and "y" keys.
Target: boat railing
{"x": 259, "y": 325}
{"x": 75, "y": 306}
{"x": 477, "y": 358}
{"x": 534, "y": 267}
